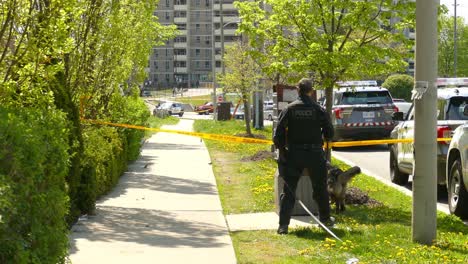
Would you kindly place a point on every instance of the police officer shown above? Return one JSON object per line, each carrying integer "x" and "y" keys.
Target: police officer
{"x": 298, "y": 137}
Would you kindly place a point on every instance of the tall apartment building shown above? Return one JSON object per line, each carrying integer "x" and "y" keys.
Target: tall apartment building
{"x": 187, "y": 60}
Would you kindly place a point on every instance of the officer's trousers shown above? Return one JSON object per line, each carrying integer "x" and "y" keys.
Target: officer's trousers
{"x": 291, "y": 172}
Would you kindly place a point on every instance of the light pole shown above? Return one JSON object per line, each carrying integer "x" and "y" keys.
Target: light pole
{"x": 455, "y": 39}
{"x": 424, "y": 215}
{"x": 213, "y": 59}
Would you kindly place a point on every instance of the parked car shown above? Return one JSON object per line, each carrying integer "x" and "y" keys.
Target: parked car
{"x": 450, "y": 106}
{"x": 171, "y": 108}
{"x": 239, "y": 114}
{"x": 457, "y": 171}
{"x": 268, "y": 105}
{"x": 362, "y": 111}
{"x": 402, "y": 105}
{"x": 146, "y": 93}
{"x": 205, "y": 108}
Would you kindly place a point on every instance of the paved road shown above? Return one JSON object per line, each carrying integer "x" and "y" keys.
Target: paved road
{"x": 373, "y": 160}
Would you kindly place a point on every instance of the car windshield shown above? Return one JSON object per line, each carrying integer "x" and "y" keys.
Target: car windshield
{"x": 370, "y": 97}
{"x": 166, "y": 106}
{"x": 456, "y": 107}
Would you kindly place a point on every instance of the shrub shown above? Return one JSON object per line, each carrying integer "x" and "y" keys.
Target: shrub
{"x": 107, "y": 150}
{"x": 400, "y": 86}
{"x": 34, "y": 162}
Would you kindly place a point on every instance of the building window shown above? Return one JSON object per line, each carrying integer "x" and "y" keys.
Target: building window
{"x": 167, "y": 65}
{"x": 207, "y": 64}
{"x": 197, "y": 27}
{"x": 167, "y": 3}
{"x": 197, "y": 39}
{"x": 197, "y": 52}
{"x": 197, "y": 65}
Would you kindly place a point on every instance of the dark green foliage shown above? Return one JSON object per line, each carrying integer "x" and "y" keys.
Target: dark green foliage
{"x": 34, "y": 162}
{"x": 400, "y": 86}
{"x": 63, "y": 101}
{"x": 107, "y": 150}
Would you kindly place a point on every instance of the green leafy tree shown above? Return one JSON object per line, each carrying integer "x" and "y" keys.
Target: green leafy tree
{"x": 331, "y": 40}
{"x": 400, "y": 86}
{"x": 241, "y": 77}
{"x": 446, "y": 47}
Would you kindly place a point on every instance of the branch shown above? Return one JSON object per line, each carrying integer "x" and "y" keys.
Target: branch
{"x": 324, "y": 24}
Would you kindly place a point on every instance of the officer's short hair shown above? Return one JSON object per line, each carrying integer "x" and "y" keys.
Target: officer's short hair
{"x": 304, "y": 85}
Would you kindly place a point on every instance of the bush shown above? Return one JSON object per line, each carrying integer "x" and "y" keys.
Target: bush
{"x": 400, "y": 86}
{"x": 34, "y": 162}
{"x": 107, "y": 150}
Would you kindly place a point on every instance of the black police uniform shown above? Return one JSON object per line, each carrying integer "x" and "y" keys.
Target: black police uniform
{"x": 300, "y": 128}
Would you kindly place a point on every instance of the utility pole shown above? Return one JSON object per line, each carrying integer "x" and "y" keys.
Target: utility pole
{"x": 455, "y": 39}
{"x": 221, "y": 20}
{"x": 213, "y": 58}
{"x": 424, "y": 220}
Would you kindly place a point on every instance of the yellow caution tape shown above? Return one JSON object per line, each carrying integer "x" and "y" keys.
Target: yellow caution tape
{"x": 256, "y": 140}
{"x": 195, "y": 134}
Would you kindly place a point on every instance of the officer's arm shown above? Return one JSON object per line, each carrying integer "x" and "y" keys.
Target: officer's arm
{"x": 327, "y": 126}
{"x": 279, "y": 137}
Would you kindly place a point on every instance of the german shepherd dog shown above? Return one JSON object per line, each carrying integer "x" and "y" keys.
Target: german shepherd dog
{"x": 337, "y": 182}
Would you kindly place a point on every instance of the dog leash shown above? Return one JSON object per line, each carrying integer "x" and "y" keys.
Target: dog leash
{"x": 307, "y": 210}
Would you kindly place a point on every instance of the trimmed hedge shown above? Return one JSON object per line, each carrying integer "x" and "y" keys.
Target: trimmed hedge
{"x": 36, "y": 159}
{"x": 34, "y": 162}
{"x": 107, "y": 150}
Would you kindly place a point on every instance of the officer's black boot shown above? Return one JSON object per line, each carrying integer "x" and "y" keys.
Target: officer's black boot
{"x": 330, "y": 222}
{"x": 282, "y": 229}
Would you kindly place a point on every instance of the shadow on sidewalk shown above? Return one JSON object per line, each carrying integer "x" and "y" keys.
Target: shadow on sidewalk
{"x": 160, "y": 183}
{"x": 172, "y": 146}
{"x": 149, "y": 227}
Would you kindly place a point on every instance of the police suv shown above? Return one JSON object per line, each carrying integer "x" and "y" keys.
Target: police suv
{"x": 457, "y": 171}
{"x": 361, "y": 111}
{"x": 452, "y": 97}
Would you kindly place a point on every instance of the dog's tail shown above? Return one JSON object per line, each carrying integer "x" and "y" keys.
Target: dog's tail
{"x": 348, "y": 174}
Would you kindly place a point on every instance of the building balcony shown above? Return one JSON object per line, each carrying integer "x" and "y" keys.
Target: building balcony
{"x": 182, "y": 32}
{"x": 181, "y": 7}
{"x": 180, "y": 57}
{"x": 180, "y": 45}
{"x": 225, "y": 7}
{"x": 180, "y": 70}
{"x": 227, "y": 32}
{"x": 180, "y": 20}
{"x": 227, "y": 19}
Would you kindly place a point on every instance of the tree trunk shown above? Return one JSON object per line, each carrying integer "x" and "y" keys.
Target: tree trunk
{"x": 246, "y": 100}
{"x": 328, "y": 106}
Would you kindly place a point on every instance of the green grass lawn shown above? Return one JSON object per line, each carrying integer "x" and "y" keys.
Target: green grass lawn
{"x": 381, "y": 234}
{"x": 195, "y": 100}
{"x": 156, "y": 122}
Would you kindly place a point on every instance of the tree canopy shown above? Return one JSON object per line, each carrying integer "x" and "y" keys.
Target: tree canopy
{"x": 446, "y": 46}
{"x": 241, "y": 77}
{"x": 330, "y": 40}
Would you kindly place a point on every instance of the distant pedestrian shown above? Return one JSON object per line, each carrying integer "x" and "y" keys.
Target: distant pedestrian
{"x": 298, "y": 137}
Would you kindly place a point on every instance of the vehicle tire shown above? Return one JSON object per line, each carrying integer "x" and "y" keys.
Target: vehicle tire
{"x": 396, "y": 176}
{"x": 457, "y": 194}
{"x": 181, "y": 114}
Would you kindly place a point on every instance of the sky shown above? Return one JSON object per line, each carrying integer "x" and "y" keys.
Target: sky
{"x": 462, "y": 8}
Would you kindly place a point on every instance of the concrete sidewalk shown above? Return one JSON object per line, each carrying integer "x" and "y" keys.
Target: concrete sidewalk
{"x": 165, "y": 209}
